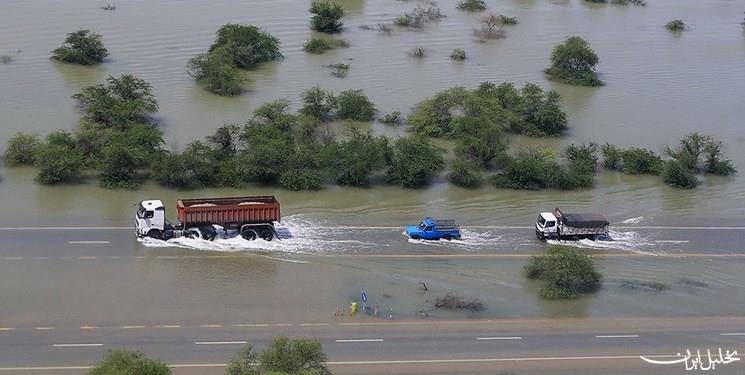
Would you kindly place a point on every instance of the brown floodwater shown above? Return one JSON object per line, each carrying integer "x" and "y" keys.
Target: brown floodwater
{"x": 659, "y": 87}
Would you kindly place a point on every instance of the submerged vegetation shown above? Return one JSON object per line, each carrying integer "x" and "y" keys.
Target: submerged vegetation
{"x": 321, "y": 45}
{"x": 619, "y": 2}
{"x": 326, "y": 16}
{"x": 418, "y": 17}
{"x": 236, "y": 47}
{"x": 676, "y": 26}
{"x": 471, "y": 5}
{"x": 492, "y": 27}
{"x": 458, "y": 54}
{"x": 82, "y": 47}
{"x": 574, "y": 62}
{"x": 566, "y": 272}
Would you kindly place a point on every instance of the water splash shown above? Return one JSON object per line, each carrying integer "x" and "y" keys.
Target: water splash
{"x": 470, "y": 241}
{"x": 633, "y": 220}
{"x": 624, "y": 241}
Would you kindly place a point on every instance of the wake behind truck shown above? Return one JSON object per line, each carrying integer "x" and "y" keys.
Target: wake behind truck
{"x": 252, "y": 216}
{"x": 558, "y": 225}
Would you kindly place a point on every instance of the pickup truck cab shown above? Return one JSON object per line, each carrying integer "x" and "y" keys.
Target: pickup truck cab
{"x": 431, "y": 229}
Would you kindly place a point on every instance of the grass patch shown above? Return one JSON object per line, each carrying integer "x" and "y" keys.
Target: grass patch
{"x": 321, "y": 45}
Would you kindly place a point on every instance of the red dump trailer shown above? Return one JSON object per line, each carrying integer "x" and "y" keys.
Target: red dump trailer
{"x": 252, "y": 216}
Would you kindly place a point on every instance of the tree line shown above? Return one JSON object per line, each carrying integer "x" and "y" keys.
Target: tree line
{"x": 118, "y": 140}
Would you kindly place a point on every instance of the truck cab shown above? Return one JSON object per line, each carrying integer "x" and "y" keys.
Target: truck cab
{"x": 546, "y": 226}
{"x": 150, "y": 219}
{"x": 431, "y": 229}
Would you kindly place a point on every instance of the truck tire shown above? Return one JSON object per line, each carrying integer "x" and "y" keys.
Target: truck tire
{"x": 249, "y": 234}
{"x": 447, "y": 237}
{"x": 266, "y": 234}
{"x": 192, "y": 233}
{"x": 415, "y": 237}
{"x": 208, "y": 233}
{"x": 155, "y": 233}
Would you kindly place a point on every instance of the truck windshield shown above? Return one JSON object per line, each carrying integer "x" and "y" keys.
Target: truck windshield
{"x": 541, "y": 220}
{"x": 550, "y": 224}
{"x": 421, "y": 225}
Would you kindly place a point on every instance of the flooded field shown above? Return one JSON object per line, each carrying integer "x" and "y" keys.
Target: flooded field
{"x": 659, "y": 87}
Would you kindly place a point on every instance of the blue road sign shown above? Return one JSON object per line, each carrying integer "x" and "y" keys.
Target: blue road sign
{"x": 363, "y": 296}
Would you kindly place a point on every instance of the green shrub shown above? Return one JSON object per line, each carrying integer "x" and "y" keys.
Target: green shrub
{"x": 678, "y": 175}
{"x": 574, "y": 62}
{"x": 354, "y": 105}
{"x": 82, "y": 47}
{"x": 119, "y": 168}
{"x": 471, "y": 5}
{"x": 641, "y": 161}
{"x": 465, "y": 174}
{"x": 326, "y": 16}
{"x": 392, "y": 118}
{"x": 533, "y": 169}
{"x": 216, "y": 69}
{"x": 319, "y": 103}
{"x": 340, "y": 70}
{"x": 676, "y": 26}
{"x": 123, "y": 362}
{"x": 321, "y": 45}
{"x": 352, "y": 161}
{"x": 715, "y": 162}
{"x": 507, "y": 20}
{"x": 612, "y": 157}
{"x": 119, "y": 103}
{"x": 245, "y": 362}
{"x": 298, "y": 356}
{"x": 566, "y": 272}
{"x": 539, "y": 113}
{"x": 225, "y": 140}
{"x": 583, "y": 158}
{"x": 58, "y": 164}
{"x": 303, "y": 179}
{"x": 480, "y": 143}
{"x": 22, "y": 149}
{"x": 697, "y": 152}
{"x": 246, "y": 45}
{"x": 403, "y": 20}
{"x": 458, "y": 54}
{"x": 414, "y": 162}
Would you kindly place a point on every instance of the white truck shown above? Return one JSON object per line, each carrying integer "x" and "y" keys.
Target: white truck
{"x": 561, "y": 226}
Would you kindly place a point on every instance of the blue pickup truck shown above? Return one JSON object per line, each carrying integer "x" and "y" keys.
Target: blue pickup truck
{"x": 431, "y": 229}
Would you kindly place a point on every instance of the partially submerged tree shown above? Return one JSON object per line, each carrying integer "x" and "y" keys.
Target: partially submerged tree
{"x": 566, "y": 272}
{"x": 326, "y": 16}
{"x": 414, "y": 162}
{"x": 246, "y": 45}
{"x": 321, "y": 45}
{"x": 355, "y": 105}
{"x": 354, "y": 160}
{"x": 471, "y": 5}
{"x": 491, "y": 27}
{"x": 58, "y": 161}
{"x": 319, "y": 103}
{"x": 121, "y": 102}
{"x": 217, "y": 71}
{"x": 82, "y": 47}
{"x": 676, "y": 26}
{"x": 574, "y": 62}
{"x": 22, "y": 149}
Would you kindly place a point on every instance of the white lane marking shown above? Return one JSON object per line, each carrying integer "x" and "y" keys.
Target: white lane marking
{"x": 360, "y": 340}
{"x": 286, "y": 260}
{"x": 132, "y": 327}
{"x": 616, "y": 336}
{"x": 313, "y": 324}
{"x": 210, "y": 326}
{"x": 672, "y": 241}
{"x": 732, "y": 334}
{"x": 44, "y": 328}
{"x": 87, "y": 258}
{"x": 500, "y": 338}
{"x": 220, "y": 342}
{"x": 75, "y": 345}
{"x": 87, "y": 242}
{"x": 168, "y": 326}
{"x": 89, "y": 327}
{"x": 13, "y": 258}
{"x": 415, "y": 361}
{"x": 282, "y": 325}
{"x": 5, "y": 329}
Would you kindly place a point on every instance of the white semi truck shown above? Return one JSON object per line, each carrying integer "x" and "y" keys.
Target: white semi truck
{"x": 558, "y": 225}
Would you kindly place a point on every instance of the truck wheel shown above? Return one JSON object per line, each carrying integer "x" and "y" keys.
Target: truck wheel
{"x": 266, "y": 235}
{"x": 248, "y": 234}
{"x": 192, "y": 234}
{"x": 155, "y": 233}
{"x": 208, "y": 233}
{"x": 415, "y": 237}
{"x": 447, "y": 237}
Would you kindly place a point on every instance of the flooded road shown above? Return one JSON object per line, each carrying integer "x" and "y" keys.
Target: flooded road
{"x": 659, "y": 86}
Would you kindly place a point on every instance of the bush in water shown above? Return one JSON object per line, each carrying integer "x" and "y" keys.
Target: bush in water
{"x": 354, "y": 160}
{"x": 354, "y": 105}
{"x": 218, "y": 72}
{"x": 246, "y": 45}
{"x": 82, "y": 47}
{"x": 319, "y": 103}
{"x": 119, "y": 168}
{"x": 573, "y": 62}
{"x": 22, "y": 149}
{"x": 122, "y": 101}
{"x": 676, "y": 26}
{"x": 58, "y": 163}
{"x": 414, "y": 162}
{"x": 326, "y": 16}
{"x": 471, "y": 5}
{"x": 465, "y": 174}
{"x": 567, "y": 272}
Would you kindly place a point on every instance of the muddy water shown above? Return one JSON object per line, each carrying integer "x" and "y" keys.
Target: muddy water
{"x": 659, "y": 87}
